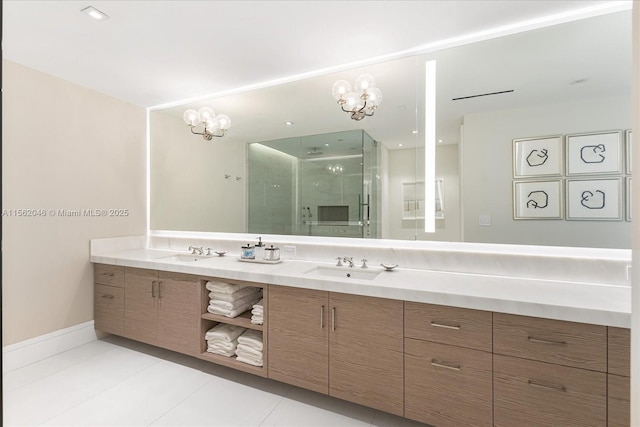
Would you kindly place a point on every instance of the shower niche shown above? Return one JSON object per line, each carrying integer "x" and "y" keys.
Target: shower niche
{"x": 316, "y": 185}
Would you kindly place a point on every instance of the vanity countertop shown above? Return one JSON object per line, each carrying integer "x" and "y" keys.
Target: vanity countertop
{"x": 602, "y": 304}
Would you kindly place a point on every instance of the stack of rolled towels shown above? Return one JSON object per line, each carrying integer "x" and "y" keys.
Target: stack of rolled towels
{"x": 249, "y": 348}
{"x": 257, "y": 313}
{"x": 231, "y": 300}
{"x": 222, "y": 339}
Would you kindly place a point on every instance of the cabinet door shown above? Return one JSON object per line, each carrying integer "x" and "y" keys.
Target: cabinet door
{"x": 618, "y": 401}
{"x": 179, "y": 312}
{"x": 109, "y": 309}
{"x": 298, "y": 341}
{"x": 366, "y": 351}
{"x": 140, "y": 305}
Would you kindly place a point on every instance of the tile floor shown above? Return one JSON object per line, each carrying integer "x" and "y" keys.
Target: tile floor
{"x": 118, "y": 382}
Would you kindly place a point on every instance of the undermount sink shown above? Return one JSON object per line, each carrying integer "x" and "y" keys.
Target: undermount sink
{"x": 344, "y": 272}
{"x": 185, "y": 257}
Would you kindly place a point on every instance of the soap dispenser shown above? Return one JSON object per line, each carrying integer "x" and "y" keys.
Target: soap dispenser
{"x": 259, "y": 249}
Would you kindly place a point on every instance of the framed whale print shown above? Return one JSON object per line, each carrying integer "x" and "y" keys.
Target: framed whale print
{"x": 594, "y": 153}
{"x": 538, "y": 157}
{"x": 594, "y": 199}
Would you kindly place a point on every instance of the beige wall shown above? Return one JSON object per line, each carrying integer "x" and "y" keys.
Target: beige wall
{"x": 63, "y": 147}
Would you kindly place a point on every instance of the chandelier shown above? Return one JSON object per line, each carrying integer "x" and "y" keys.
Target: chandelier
{"x": 212, "y": 125}
{"x": 336, "y": 169}
{"x": 360, "y": 102}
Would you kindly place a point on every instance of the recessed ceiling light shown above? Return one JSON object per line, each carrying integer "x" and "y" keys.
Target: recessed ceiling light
{"x": 326, "y": 145}
{"x": 414, "y": 132}
{"x": 400, "y": 145}
{"x": 95, "y": 13}
{"x": 440, "y": 141}
{"x": 289, "y": 123}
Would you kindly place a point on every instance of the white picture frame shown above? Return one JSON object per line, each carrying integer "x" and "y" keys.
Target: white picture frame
{"x": 628, "y": 143}
{"x": 538, "y": 157}
{"x": 439, "y": 198}
{"x": 594, "y": 153}
{"x": 595, "y": 199}
{"x": 537, "y": 200}
{"x": 413, "y": 200}
{"x": 629, "y": 194}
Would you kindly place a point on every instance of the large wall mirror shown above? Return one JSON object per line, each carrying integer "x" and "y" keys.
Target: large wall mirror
{"x": 328, "y": 175}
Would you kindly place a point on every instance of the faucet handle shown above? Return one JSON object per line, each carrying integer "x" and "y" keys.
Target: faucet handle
{"x": 209, "y": 251}
{"x": 192, "y": 249}
{"x": 339, "y": 259}
{"x": 364, "y": 263}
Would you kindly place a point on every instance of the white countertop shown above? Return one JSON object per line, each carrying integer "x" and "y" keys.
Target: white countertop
{"x": 601, "y": 304}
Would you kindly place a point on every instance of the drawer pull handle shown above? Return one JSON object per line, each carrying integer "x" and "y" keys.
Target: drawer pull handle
{"x": 442, "y": 325}
{"x": 541, "y": 341}
{"x": 333, "y": 318}
{"x": 160, "y": 289}
{"x": 153, "y": 289}
{"x": 556, "y": 387}
{"x": 439, "y": 364}
{"x": 107, "y": 296}
{"x": 322, "y": 317}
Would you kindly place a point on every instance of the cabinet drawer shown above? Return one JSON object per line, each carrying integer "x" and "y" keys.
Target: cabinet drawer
{"x": 112, "y": 275}
{"x": 565, "y": 343}
{"x": 447, "y": 385}
{"x": 530, "y": 393}
{"x": 109, "y": 309}
{"x": 619, "y": 350}
{"x": 448, "y": 325}
{"x": 618, "y": 401}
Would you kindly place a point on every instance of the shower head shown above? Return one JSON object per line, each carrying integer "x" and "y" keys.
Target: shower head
{"x": 315, "y": 151}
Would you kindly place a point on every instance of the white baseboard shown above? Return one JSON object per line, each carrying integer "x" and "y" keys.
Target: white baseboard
{"x": 33, "y": 350}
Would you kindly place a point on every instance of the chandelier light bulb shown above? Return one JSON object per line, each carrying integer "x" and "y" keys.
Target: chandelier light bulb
{"x": 340, "y": 89}
{"x": 223, "y": 121}
{"x": 364, "y": 82}
{"x": 205, "y": 114}
{"x": 190, "y": 117}
{"x": 375, "y": 96}
{"x": 354, "y": 102}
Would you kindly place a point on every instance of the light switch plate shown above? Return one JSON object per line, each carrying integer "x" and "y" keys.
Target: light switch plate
{"x": 484, "y": 220}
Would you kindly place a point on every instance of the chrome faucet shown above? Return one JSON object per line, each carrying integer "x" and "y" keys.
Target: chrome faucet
{"x": 349, "y": 260}
{"x": 196, "y": 251}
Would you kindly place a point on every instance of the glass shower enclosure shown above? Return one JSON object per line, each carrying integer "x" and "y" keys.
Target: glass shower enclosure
{"x": 316, "y": 185}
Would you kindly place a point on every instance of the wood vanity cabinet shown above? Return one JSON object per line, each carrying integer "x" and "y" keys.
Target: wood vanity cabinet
{"x": 299, "y": 337}
{"x": 348, "y": 346}
{"x": 448, "y": 365}
{"x": 163, "y": 309}
{"x": 549, "y": 372}
{"x": 618, "y": 381}
{"x": 108, "y": 298}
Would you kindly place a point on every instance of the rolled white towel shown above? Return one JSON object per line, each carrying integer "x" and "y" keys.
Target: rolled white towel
{"x": 257, "y": 321}
{"x": 259, "y": 305}
{"x": 223, "y": 296}
{"x": 223, "y": 287}
{"x": 231, "y": 305}
{"x": 224, "y": 331}
{"x": 251, "y": 339}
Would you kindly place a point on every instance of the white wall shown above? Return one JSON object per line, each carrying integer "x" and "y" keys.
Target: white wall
{"x": 405, "y": 166}
{"x": 63, "y": 147}
{"x": 189, "y": 190}
{"x": 487, "y": 174}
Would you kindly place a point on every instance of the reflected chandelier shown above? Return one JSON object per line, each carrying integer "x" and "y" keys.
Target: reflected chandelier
{"x": 213, "y": 126}
{"x": 360, "y": 102}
